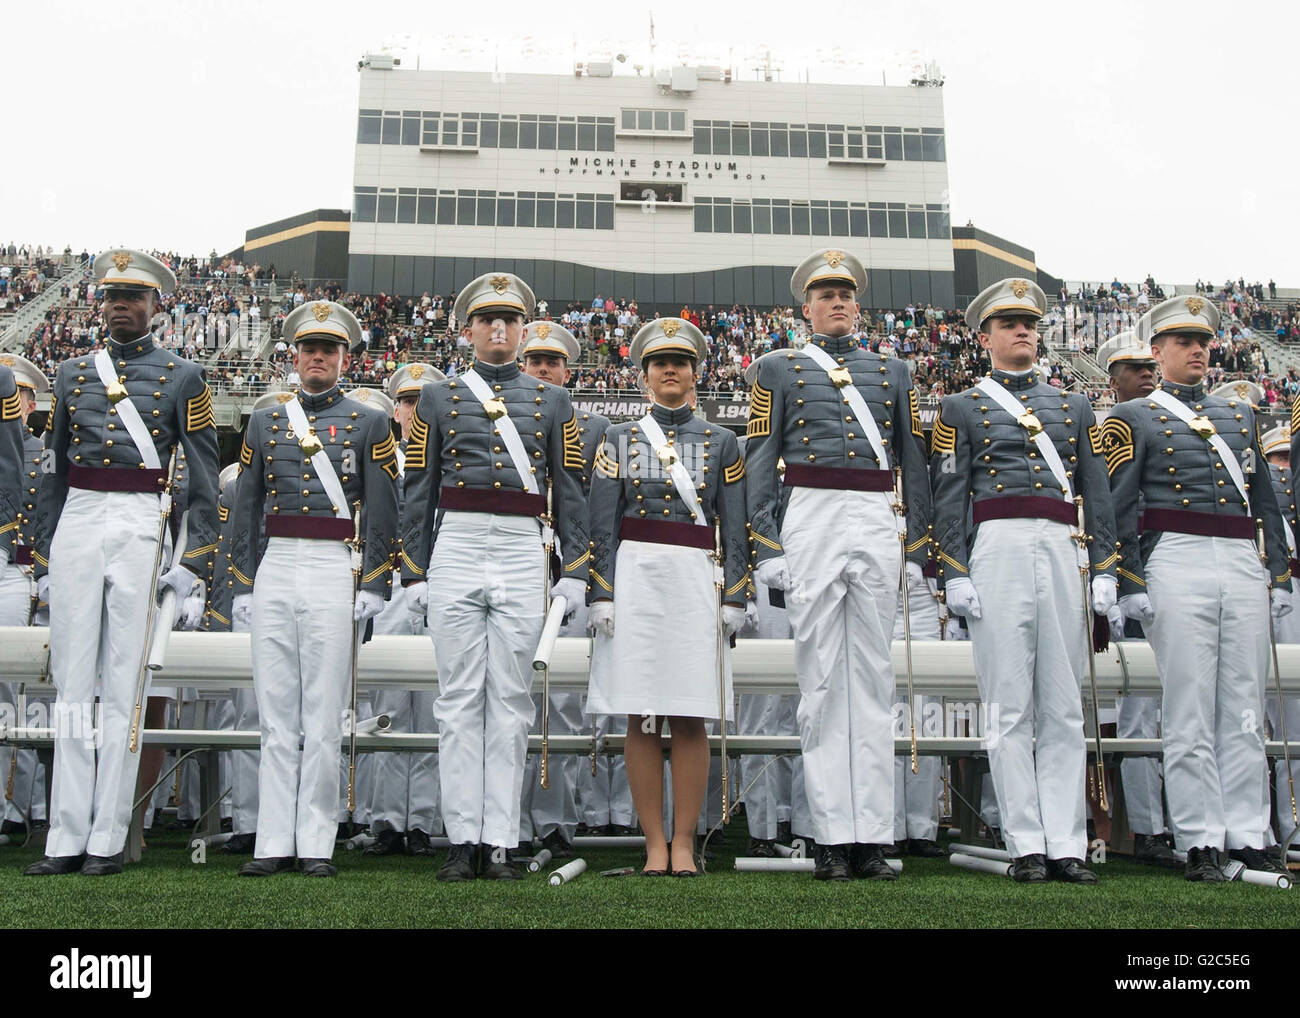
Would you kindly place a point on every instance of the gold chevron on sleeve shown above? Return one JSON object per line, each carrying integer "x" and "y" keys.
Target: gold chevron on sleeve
{"x": 944, "y": 439}
{"x": 605, "y": 466}
{"x": 914, "y": 408}
{"x": 1116, "y": 443}
{"x": 245, "y": 454}
{"x": 11, "y": 407}
{"x": 760, "y": 412}
{"x": 1094, "y": 439}
{"x": 198, "y": 412}
{"x": 419, "y": 442}
{"x": 735, "y": 472}
{"x": 573, "y": 446}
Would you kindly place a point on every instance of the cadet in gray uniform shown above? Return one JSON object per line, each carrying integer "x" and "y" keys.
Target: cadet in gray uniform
{"x": 1192, "y": 576}
{"x": 552, "y": 813}
{"x": 665, "y": 489}
{"x": 1009, "y": 456}
{"x": 1132, "y": 372}
{"x": 842, "y": 419}
{"x": 306, "y": 467}
{"x": 21, "y": 775}
{"x": 114, "y": 420}
{"x": 1276, "y": 445}
{"x": 483, "y": 448}
{"x": 404, "y": 806}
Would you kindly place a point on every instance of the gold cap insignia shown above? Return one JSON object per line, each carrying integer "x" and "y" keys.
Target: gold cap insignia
{"x": 670, "y": 327}
{"x": 121, "y": 260}
{"x": 363, "y": 395}
{"x": 495, "y": 408}
{"x": 415, "y": 371}
{"x": 1019, "y": 287}
{"x": 7, "y": 361}
{"x": 284, "y": 397}
{"x": 321, "y": 310}
{"x": 543, "y": 330}
{"x": 1195, "y": 304}
{"x": 500, "y": 283}
{"x": 833, "y": 258}
{"x": 1243, "y": 390}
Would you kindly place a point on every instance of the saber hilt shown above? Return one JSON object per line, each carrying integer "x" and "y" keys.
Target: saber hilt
{"x": 1277, "y": 673}
{"x": 1082, "y": 538}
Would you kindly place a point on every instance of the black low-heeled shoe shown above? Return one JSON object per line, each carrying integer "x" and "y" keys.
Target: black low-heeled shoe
{"x": 654, "y": 873}
{"x": 686, "y": 873}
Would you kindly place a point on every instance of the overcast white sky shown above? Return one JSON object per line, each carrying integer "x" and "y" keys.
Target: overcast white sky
{"x": 1113, "y": 138}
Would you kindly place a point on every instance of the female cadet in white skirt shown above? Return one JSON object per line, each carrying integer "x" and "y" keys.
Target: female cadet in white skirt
{"x": 660, "y": 487}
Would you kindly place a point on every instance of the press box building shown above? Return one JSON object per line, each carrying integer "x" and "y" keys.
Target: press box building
{"x": 685, "y": 187}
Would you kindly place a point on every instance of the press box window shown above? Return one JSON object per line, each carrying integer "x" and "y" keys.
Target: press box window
{"x": 647, "y": 191}
{"x": 368, "y": 127}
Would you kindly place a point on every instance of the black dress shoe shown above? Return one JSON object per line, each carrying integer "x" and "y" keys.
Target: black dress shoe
{"x": 926, "y": 849}
{"x": 522, "y": 852}
{"x": 419, "y": 843}
{"x": 783, "y": 832}
{"x": 54, "y": 865}
{"x": 1070, "y": 871}
{"x": 317, "y": 868}
{"x": 556, "y": 844}
{"x": 894, "y": 850}
{"x": 266, "y": 867}
{"x": 867, "y": 862}
{"x": 102, "y": 865}
{"x": 13, "y": 827}
{"x": 240, "y": 844}
{"x": 388, "y": 843}
{"x": 497, "y": 864}
{"x": 832, "y": 863}
{"x": 619, "y": 831}
{"x": 762, "y": 848}
{"x": 1153, "y": 850}
{"x": 1203, "y": 866}
{"x": 227, "y": 825}
{"x": 461, "y": 864}
{"x": 1256, "y": 859}
{"x": 1029, "y": 869}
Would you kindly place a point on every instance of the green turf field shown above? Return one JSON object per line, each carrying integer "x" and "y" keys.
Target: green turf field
{"x": 167, "y": 890}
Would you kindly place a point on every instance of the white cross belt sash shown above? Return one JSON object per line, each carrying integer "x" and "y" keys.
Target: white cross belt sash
{"x": 505, "y": 425}
{"x": 321, "y": 460}
{"x": 1041, "y": 439}
{"x": 126, "y": 411}
{"x": 676, "y": 469}
{"x": 1184, "y": 413}
{"x": 859, "y": 405}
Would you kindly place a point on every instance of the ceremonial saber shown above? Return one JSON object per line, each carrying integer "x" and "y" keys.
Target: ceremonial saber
{"x": 552, "y": 627}
{"x": 356, "y": 647}
{"x": 167, "y": 606}
{"x": 900, "y": 510}
{"x": 569, "y": 871}
{"x": 746, "y": 864}
{"x": 142, "y": 681}
{"x": 1081, "y": 536}
{"x": 979, "y": 864}
{"x": 379, "y": 723}
{"x": 1277, "y": 682}
{"x": 718, "y": 582}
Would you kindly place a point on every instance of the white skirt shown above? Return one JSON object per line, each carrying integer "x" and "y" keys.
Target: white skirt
{"x": 662, "y": 658}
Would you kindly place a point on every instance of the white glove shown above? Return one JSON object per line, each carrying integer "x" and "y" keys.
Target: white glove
{"x": 751, "y": 617}
{"x": 41, "y": 618}
{"x": 1137, "y": 607}
{"x": 952, "y": 629}
{"x": 191, "y": 609}
{"x": 600, "y": 618}
{"x": 932, "y": 585}
{"x": 962, "y": 599}
{"x": 241, "y": 611}
{"x": 1280, "y": 603}
{"x": 732, "y": 619}
{"x": 914, "y": 574}
{"x": 43, "y": 589}
{"x": 1104, "y": 589}
{"x": 774, "y": 573}
{"x": 1115, "y": 619}
{"x": 179, "y": 579}
{"x": 417, "y": 599}
{"x": 368, "y": 605}
{"x": 574, "y": 592}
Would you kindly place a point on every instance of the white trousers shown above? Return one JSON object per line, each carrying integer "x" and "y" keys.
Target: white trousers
{"x": 485, "y": 614}
{"x": 765, "y": 780}
{"x": 1029, "y": 659}
{"x": 1287, "y": 631}
{"x": 843, "y": 554}
{"x": 100, "y": 560}
{"x": 16, "y": 590}
{"x": 243, "y": 762}
{"x": 302, "y": 659}
{"x": 1210, "y": 637}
